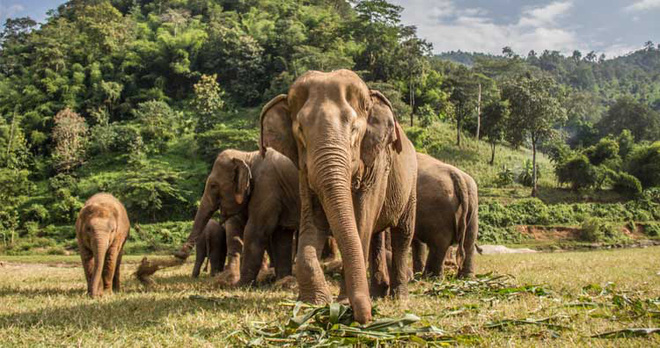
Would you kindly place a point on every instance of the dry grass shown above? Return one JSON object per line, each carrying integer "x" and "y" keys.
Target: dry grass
{"x": 42, "y": 302}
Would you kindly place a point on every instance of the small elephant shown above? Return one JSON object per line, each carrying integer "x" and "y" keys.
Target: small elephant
{"x": 258, "y": 200}
{"x": 447, "y": 213}
{"x": 102, "y": 228}
{"x": 211, "y": 244}
{"x": 357, "y": 173}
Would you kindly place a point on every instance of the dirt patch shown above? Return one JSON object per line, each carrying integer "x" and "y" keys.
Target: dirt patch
{"x": 544, "y": 233}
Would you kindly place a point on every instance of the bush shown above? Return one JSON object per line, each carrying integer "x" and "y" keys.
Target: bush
{"x": 576, "y": 171}
{"x": 597, "y": 230}
{"x": 606, "y": 149}
{"x": 36, "y": 213}
{"x": 627, "y": 184}
{"x": 66, "y": 206}
{"x": 63, "y": 181}
{"x": 222, "y": 137}
{"x": 504, "y": 177}
{"x": 157, "y": 123}
{"x": 525, "y": 177}
{"x": 644, "y": 164}
{"x": 651, "y": 229}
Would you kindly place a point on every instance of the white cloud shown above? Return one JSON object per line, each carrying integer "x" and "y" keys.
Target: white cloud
{"x": 545, "y": 15}
{"x": 643, "y": 5}
{"x": 450, "y": 28}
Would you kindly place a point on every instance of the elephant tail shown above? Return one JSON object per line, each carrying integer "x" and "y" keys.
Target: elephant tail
{"x": 462, "y": 215}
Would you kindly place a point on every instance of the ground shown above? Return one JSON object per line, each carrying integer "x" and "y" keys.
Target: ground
{"x": 43, "y": 303}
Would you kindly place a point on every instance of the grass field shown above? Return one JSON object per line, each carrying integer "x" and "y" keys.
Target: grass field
{"x": 42, "y": 302}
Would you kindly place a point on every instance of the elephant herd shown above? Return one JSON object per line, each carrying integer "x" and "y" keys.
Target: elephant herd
{"x": 332, "y": 162}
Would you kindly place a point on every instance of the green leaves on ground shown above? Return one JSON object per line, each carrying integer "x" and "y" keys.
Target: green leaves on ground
{"x": 332, "y": 325}
{"x": 490, "y": 286}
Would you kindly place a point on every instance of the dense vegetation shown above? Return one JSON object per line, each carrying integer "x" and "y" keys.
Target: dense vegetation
{"x": 137, "y": 97}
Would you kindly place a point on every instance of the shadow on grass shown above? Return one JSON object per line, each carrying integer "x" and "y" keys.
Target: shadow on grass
{"x": 121, "y": 312}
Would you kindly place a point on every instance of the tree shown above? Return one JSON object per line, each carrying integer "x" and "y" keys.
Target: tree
{"x": 577, "y": 171}
{"x": 69, "y": 135}
{"x": 644, "y": 164}
{"x": 627, "y": 113}
{"x": 495, "y": 120}
{"x": 534, "y": 113}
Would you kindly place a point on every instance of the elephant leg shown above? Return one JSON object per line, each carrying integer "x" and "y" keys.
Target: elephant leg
{"x": 283, "y": 240}
{"x": 310, "y": 276}
{"x": 222, "y": 251}
{"x": 255, "y": 240}
{"x": 420, "y": 253}
{"x": 435, "y": 262}
{"x": 116, "y": 280}
{"x": 466, "y": 268}
{"x": 232, "y": 272}
{"x": 401, "y": 239}
{"x": 215, "y": 261}
{"x": 87, "y": 258}
{"x": 380, "y": 280}
{"x": 200, "y": 256}
{"x": 110, "y": 267}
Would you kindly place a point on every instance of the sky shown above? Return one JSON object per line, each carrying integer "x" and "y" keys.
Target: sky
{"x": 613, "y": 27}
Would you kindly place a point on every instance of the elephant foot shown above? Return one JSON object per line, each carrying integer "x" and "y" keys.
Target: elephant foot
{"x": 317, "y": 297}
{"x": 332, "y": 267}
{"x": 286, "y": 283}
{"x": 227, "y": 279}
{"x": 379, "y": 290}
{"x": 266, "y": 276}
{"x": 400, "y": 292}
{"x": 343, "y": 299}
{"x": 466, "y": 274}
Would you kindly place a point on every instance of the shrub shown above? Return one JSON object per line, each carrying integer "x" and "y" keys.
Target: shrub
{"x": 66, "y": 206}
{"x": 597, "y": 230}
{"x": 222, "y": 137}
{"x": 627, "y": 184}
{"x": 651, "y": 229}
{"x": 157, "y": 123}
{"x": 576, "y": 171}
{"x": 605, "y": 149}
{"x": 644, "y": 164}
{"x": 63, "y": 181}
{"x": 69, "y": 135}
{"x": 525, "y": 177}
{"x": 504, "y": 177}
{"x": 36, "y": 213}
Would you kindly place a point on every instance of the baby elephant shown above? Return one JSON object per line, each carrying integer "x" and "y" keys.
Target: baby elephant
{"x": 211, "y": 244}
{"x": 101, "y": 230}
{"x": 447, "y": 213}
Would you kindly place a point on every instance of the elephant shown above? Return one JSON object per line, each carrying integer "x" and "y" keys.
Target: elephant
{"x": 211, "y": 244}
{"x": 102, "y": 228}
{"x": 447, "y": 213}
{"x": 357, "y": 176}
{"x": 258, "y": 200}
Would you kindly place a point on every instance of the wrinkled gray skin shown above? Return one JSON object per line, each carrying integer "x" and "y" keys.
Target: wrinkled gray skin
{"x": 447, "y": 213}
{"x": 258, "y": 200}
{"x": 102, "y": 228}
{"x": 357, "y": 175}
{"x": 212, "y": 244}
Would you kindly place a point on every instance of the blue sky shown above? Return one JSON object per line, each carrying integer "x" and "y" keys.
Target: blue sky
{"x": 613, "y": 27}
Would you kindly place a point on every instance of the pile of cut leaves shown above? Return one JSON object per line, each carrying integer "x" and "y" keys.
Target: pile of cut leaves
{"x": 333, "y": 325}
{"x": 489, "y": 286}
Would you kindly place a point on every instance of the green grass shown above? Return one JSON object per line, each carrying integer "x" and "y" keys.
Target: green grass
{"x": 43, "y": 303}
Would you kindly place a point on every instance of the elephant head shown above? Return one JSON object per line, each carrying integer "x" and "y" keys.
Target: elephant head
{"x": 333, "y": 127}
{"x": 99, "y": 226}
{"x": 227, "y": 189}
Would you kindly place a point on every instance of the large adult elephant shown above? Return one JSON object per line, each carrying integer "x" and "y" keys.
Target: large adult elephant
{"x": 447, "y": 213}
{"x": 258, "y": 200}
{"x": 357, "y": 174}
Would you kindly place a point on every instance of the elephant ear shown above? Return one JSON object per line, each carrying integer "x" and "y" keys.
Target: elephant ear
{"x": 276, "y": 129}
{"x": 242, "y": 178}
{"x": 382, "y": 129}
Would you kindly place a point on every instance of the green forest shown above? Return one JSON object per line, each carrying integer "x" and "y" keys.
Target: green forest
{"x": 137, "y": 97}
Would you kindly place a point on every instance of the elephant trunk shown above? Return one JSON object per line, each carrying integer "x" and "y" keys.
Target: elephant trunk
{"x": 204, "y": 213}
{"x": 333, "y": 187}
{"x": 101, "y": 247}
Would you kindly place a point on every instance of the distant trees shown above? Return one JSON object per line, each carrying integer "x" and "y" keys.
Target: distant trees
{"x": 627, "y": 113}
{"x": 69, "y": 135}
{"x": 495, "y": 119}
{"x": 535, "y": 111}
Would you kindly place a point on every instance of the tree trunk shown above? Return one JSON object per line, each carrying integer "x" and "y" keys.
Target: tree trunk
{"x": 458, "y": 131}
{"x": 534, "y": 188}
{"x": 478, "y": 113}
{"x": 492, "y": 154}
